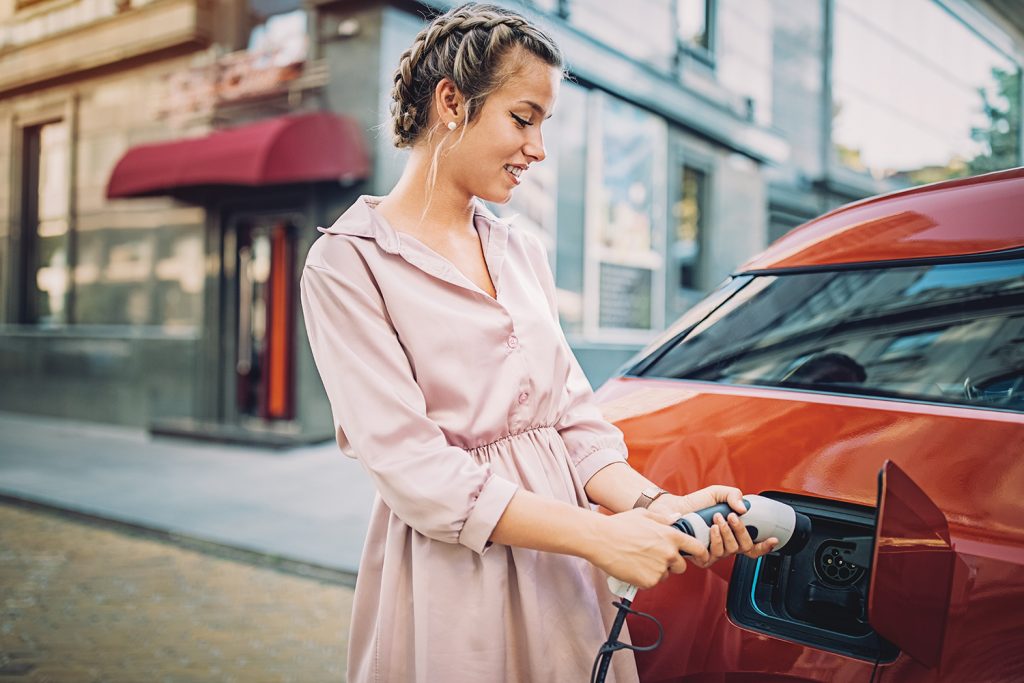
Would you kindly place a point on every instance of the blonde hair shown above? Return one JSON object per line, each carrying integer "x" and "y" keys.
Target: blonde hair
{"x": 467, "y": 45}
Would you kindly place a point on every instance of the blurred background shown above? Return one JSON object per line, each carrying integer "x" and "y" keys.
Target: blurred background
{"x": 164, "y": 165}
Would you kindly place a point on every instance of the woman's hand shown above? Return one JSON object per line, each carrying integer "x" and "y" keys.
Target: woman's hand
{"x": 641, "y": 547}
{"x": 729, "y": 535}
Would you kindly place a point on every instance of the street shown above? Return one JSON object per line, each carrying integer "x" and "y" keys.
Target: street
{"x": 86, "y": 604}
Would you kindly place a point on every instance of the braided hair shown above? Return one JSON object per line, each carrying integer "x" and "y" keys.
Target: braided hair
{"x": 468, "y": 45}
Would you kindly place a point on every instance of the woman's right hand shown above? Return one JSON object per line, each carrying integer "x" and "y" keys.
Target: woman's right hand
{"x": 642, "y": 547}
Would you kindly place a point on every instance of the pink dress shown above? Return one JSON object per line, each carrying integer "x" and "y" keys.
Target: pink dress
{"x": 452, "y": 401}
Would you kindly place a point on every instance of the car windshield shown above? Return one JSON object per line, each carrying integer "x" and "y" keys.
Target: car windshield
{"x": 949, "y": 333}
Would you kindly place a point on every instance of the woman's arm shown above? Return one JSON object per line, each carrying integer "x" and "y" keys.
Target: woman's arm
{"x": 379, "y": 409}
{"x": 638, "y": 546}
{"x": 617, "y": 487}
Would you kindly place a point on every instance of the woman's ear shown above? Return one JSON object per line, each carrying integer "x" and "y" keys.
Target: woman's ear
{"x": 448, "y": 101}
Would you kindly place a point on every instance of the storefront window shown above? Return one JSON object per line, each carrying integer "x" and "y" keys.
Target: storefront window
{"x": 140, "y": 277}
{"x": 113, "y": 277}
{"x": 179, "y": 279}
{"x": 624, "y": 249}
{"x": 685, "y": 252}
{"x": 45, "y": 215}
{"x": 918, "y": 96}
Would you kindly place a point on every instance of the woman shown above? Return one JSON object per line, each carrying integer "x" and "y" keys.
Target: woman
{"x": 434, "y": 328}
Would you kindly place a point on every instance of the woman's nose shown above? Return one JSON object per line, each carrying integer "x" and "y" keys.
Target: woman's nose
{"x": 535, "y": 148}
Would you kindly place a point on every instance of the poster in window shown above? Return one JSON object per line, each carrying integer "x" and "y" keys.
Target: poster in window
{"x": 625, "y": 297}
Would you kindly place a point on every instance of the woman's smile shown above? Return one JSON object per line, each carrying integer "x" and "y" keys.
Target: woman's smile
{"x": 514, "y": 171}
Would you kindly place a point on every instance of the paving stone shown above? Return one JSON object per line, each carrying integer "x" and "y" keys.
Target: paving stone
{"x": 83, "y": 604}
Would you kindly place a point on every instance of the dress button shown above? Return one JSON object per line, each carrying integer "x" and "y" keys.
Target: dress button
{"x": 523, "y": 396}
{"x": 513, "y": 341}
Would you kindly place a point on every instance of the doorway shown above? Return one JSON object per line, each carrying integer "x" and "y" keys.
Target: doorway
{"x": 260, "y": 301}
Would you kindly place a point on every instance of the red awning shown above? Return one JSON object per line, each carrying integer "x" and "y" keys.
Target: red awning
{"x": 287, "y": 149}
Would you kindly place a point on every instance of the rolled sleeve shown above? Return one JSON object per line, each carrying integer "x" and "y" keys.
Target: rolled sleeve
{"x": 380, "y": 414}
{"x": 597, "y": 460}
{"x": 487, "y": 510}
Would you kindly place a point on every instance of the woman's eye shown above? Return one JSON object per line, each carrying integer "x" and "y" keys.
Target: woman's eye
{"x": 520, "y": 121}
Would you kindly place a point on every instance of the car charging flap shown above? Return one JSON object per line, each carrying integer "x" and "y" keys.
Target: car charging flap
{"x": 913, "y": 564}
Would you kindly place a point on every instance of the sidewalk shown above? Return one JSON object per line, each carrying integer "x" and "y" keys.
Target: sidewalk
{"x": 83, "y": 603}
{"x": 308, "y": 504}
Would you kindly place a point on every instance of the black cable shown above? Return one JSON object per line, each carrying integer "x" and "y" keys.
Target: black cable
{"x": 875, "y": 669}
{"x": 613, "y": 645}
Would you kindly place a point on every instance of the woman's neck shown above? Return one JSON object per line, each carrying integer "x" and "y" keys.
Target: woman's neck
{"x": 414, "y": 206}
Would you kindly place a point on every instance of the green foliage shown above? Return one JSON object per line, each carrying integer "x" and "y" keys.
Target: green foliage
{"x": 1001, "y": 134}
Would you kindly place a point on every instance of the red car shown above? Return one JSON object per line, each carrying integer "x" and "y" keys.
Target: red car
{"x": 867, "y": 369}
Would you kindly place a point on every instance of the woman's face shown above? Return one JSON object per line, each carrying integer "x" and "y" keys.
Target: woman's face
{"x": 499, "y": 147}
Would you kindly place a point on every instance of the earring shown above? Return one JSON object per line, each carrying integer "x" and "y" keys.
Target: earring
{"x": 452, "y": 125}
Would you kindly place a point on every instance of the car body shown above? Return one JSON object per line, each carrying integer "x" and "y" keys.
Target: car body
{"x": 868, "y": 369}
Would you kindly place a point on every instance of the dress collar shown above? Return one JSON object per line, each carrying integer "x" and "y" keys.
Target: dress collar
{"x": 361, "y": 220}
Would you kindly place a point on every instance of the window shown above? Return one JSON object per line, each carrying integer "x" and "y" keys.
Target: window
{"x": 951, "y": 333}
{"x": 179, "y": 276}
{"x": 140, "y": 276}
{"x": 624, "y": 243}
{"x": 960, "y": 117}
{"x": 693, "y": 17}
{"x": 280, "y": 39}
{"x": 45, "y": 244}
{"x": 685, "y": 251}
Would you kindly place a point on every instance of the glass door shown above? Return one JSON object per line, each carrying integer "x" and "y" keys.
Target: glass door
{"x": 261, "y": 361}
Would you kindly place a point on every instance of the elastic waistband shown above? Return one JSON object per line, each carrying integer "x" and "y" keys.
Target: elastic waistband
{"x": 513, "y": 435}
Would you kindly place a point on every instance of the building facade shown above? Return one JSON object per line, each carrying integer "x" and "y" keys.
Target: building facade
{"x": 152, "y": 228}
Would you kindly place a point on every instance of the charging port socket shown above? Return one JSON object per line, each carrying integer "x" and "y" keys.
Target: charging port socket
{"x": 817, "y": 597}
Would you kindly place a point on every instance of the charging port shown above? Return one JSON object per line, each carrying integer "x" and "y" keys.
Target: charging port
{"x": 838, "y": 563}
{"x": 818, "y": 596}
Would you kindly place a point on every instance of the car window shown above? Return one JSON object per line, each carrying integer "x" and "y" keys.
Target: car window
{"x": 686, "y": 322}
{"x": 948, "y": 333}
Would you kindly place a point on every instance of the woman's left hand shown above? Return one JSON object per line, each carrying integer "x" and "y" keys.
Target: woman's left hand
{"x": 729, "y": 535}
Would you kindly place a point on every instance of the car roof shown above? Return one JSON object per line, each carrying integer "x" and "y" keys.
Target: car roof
{"x": 976, "y": 215}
